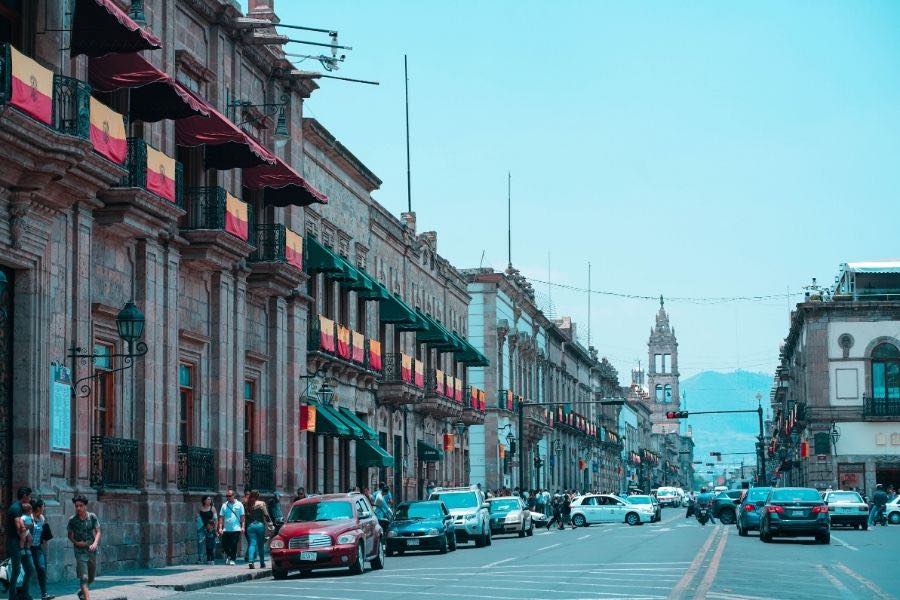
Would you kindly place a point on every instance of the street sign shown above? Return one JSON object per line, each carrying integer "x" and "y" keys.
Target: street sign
{"x": 821, "y": 457}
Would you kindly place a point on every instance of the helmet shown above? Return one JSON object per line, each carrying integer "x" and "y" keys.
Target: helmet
{"x": 703, "y": 490}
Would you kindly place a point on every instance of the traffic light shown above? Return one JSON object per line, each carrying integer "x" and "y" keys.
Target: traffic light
{"x": 718, "y": 456}
{"x": 677, "y": 414}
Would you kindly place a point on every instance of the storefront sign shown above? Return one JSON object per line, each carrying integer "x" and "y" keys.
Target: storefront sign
{"x": 60, "y": 408}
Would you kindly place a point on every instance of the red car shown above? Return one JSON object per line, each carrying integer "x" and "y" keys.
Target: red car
{"x": 327, "y": 532}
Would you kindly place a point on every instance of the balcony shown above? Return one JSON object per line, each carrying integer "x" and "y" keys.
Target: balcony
{"x": 72, "y": 106}
{"x": 139, "y": 168}
{"x": 474, "y": 408}
{"x": 277, "y": 261}
{"x": 436, "y": 402}
{"x": 216, "y": 227}
{"x": 114, "y": 463}
{"x": 397, "y": 386}
{"x": 881, "y": 408}
{"x": 269, "y": 241}
{"x": 259, "y": 472}
{"x": 346, "y": 352}
{"x": 196, "y": 469}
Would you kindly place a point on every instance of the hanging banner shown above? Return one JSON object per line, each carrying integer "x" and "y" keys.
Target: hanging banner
{"x": 375, "y": 355}
{"x": 32, "y": 87}
{"x": 308, "y": 418}
{"x": 343, "y": 342}
{"x": 236, "y": 217}
{"x": 359, "y": 342}
{"x": 160, "y": 174}
{"x": 326, "y": 333}
{"x": 60, "y": 408}
{"x": 293, "y": 248}
{"x": 108, "y": 132}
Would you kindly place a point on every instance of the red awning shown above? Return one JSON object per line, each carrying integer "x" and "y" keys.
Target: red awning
{"x": 101, "y": 27}
{"x": 227, "y": 146}
{"x": 283, "y": 185}
{"x": 154, "y": 96}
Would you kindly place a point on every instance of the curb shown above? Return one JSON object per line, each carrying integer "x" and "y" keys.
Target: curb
{"x": 209, "y": 583}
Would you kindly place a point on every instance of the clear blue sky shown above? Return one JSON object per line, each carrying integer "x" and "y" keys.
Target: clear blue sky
{"x": 689, "y": 149}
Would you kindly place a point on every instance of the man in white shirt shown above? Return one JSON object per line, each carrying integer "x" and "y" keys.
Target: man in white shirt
{"x": 232, "y": 523}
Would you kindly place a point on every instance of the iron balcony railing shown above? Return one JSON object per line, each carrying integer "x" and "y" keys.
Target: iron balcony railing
{"x": 393, "y": 368}
{"x": 196, "y": 469}
{"x": 881, "y": 407}
{"x": 206, "y": 207}
{"x": 269, "y": 241}
{"x": 136, "y": 163}
{"x": 114, "y": 463}
{"x": 71, "y": 98}
{"x": 259, "y": 472}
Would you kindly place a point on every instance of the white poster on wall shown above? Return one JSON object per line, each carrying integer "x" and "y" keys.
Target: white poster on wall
{"x": 60, "y": 408}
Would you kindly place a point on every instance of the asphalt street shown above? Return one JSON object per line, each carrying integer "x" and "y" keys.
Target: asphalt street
{"x": 676, "y": 558}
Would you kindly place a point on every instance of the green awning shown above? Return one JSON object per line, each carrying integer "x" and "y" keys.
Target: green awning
{"x": 396, "y": 311}
{"x": 469, "y": 354}
{"x": 428, "y": 453}
{"x": 350, "y": 416}
{"x": 370, "y": 454}
{"x": 328, "y": 423}
{"x": 355, "y": 431}
{"x": 319, "y": 259}
{"x": 363, "y": 282}
{"x": 378, "y": 292}
{"x": 436, "y": 336}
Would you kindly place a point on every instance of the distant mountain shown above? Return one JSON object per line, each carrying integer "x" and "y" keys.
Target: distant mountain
{"x": 712, "y": 390}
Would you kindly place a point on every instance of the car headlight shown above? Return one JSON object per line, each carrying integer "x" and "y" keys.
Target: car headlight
{"x": 513, "y": 518}
{"x": 347, "y": 538}
{"x": 432, "y": 532}
{"x": 471, "y": 516}
{"x": 277, "y": 544}
{"x": 392, "y": 533}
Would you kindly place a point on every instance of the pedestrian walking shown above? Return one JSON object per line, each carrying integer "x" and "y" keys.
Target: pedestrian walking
{"x": 301, "y": 494}
{"x": 41, "y": 534}
{"x": 84, "y": 533}
{"x": 17, "y": 549}
{"x": 259, "y": 527}
{"x": 232, "y": 523}
{"x": 556, "y": 510}
{"x": 567, "y": 510}
{"x": 207, "y": 517}
{"x": 879, "y": 501}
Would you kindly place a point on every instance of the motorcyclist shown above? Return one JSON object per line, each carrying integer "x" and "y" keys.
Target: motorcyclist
{"x": 691, "y": 502}
{"x": 705, "y": 499}
{"x": 879, "y": 500}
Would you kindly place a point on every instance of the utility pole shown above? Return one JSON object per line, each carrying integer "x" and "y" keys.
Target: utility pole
{"x": 509, "y": 217}
{"x": 408, "y": 179}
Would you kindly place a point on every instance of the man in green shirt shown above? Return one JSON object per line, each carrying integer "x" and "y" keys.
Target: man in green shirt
{"x": 84, "y": 533}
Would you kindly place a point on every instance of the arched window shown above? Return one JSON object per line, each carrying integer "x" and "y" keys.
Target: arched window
{"x": 668, "y": 393}
{"x": 886, "y": 372}
{"x": 659, "y": 393}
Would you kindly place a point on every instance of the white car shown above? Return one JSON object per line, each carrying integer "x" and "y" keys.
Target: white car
{"x": 847, "y": 508}
{"x": 471, "y": 518}
{"x": 667, "y": 496}
{"x": 606, "y": 508}
{"x": 892, "y": 511}
{"x": 510, "y": 515}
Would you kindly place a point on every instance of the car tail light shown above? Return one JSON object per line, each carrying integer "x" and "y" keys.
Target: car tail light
{"x": 820, "y": 509}
{"x": 775, "y": 509}
{"x": 749, "y": 508}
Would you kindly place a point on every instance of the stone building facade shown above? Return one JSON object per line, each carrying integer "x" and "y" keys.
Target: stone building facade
{"x": 194, "y": 209}
{"x": 662, "y": 370}
{"x": 836, "y": 394}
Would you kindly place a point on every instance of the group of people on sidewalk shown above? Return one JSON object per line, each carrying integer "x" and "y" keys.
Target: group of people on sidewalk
{"x": 27, "y": 533}
{"x": 235, "y": 518}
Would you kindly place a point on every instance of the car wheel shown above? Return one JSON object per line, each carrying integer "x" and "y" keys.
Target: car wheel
{"x": 632, "y": 519}
{"x": 579, "y": 521}
{"x": 824, "y": 538}
{"x": 442, "y": 546}
{"x": 378, "y": 562}
{"x": 522, "y": 532}
{"x": 279, "y": 573}
{"x": 531, "y": 529}
{"x": 726, "y": 517}
{"x": 452, "y": 541}
{"x": 741, "y": 531}
{"x": 389, "y": 552}
{"x": 360, "y": 565}
{"x": 488, "y": 541}
{"x": 480, "y": 540}
{"x": 894, "y": 518}
{"x": 304, "y": 572}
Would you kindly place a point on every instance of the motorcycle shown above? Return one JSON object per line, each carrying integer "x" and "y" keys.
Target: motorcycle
{"x": 702, "y": 514}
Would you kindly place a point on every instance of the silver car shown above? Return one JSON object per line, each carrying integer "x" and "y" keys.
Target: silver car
{"x": 469, "y": 509}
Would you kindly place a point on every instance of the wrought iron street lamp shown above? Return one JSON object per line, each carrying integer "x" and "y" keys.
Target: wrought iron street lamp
{"x": 459, "y": 427}
{"x": 835, "y": 434}
{"x": 130, "y": 326}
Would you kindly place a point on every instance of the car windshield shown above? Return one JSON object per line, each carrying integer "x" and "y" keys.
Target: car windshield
{"x": 504, "y": 505}
{"x": 757, "y": 494}
{"x": 418, "y": 511}
{"x": 844, "y": 497}
{"x": 639, "y": 499}
{"x": 796, "y": 496}
{"x": 320, "y": 511}
{"x": 458, "y": 499}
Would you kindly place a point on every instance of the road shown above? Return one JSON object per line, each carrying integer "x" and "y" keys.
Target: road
{"x": 676, "y": 558}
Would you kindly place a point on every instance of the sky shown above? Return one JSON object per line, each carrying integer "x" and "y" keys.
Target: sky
{"x": 691, "y": 149}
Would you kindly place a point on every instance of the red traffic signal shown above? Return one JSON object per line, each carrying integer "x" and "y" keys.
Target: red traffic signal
{"x": 677, "y": 414}
{"x": 718, "y": 455}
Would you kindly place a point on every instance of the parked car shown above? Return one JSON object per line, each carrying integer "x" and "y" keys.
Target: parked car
{"x": 539, "y": 519}
{"x": 847, "y": 508}
{"x": 421, "y": 525}
{"x": 606, "y": 508}
{"x": 793, "y": 512}
{"x": 645, "y": 500}
{"x": 667, "y": 496}
{"x": 750, "y": 509}
{"x": 892, "y": 511}
{"x": 329, "y": 531}
{"x": 471, "y": 519}
{"x": 510, "y": 515}
{"x": 724, "y": 506}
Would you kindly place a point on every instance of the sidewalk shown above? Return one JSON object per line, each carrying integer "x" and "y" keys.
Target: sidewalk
{"x": 147, "y": 584}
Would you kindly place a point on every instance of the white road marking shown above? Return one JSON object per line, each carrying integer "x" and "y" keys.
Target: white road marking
{"x": 831, "y": 579}
{"x": 548, "y": 547}
{"x": 499, "y": 562}
{"x": 445, "y": 593}
{"x": 843, "y": 543}
{"x": 584, "y": 537}
{"x": 872, "y": 587}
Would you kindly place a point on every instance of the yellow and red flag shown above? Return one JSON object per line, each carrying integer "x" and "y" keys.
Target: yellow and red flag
{"x": 375, "y": 355}
{"x": 482, "y": 401}
{"x": 448, "y": 442}
{"x": 420, "y": 374}
{"x": 501, "y": 451}
{"x": 343, "y": 342}
{"x": 406, "y": 368}
{"x": 160, "y": 174}
{"x": 308, "y": 418}
{"x": 457, "y": 386}
{"x": 108, "y": 132}
{"x": 473, "y": 397}
{"x": 326, "y": 334}
{"x": 359, "y": 347}
{"x": 31, "y": 87}
{"x": 438, "y": 382}
{"x": 236, "y": 217}
{"x": 509, "y": 400}
{"x": 293, "y": 248}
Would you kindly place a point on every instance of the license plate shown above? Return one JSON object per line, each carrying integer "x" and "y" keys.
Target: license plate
{"x": 412, "y": 542}
{"x": 307, "y": 556}
{"x": 797, "y": 513}
{"x": 845, "y": 510}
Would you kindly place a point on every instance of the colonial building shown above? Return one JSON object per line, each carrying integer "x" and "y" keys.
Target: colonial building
{"x": 639, "y": 458}
{"x": 172, "y": 320}
{"x": 836, "y": 395}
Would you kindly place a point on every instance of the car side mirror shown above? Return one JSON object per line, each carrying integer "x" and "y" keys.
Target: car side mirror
{"x": 486, "y": 506}
{"x": 365, "y": 514}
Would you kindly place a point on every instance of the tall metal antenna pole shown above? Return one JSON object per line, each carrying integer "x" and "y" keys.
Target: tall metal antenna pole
{"x": 589, "y": 304}
{"x": 509, "y": 216}
{"x": 408, "y": 179}
{"x": 549, "y": 289}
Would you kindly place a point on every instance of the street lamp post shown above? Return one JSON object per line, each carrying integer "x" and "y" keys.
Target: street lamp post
{"x": 460, "y": 429}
